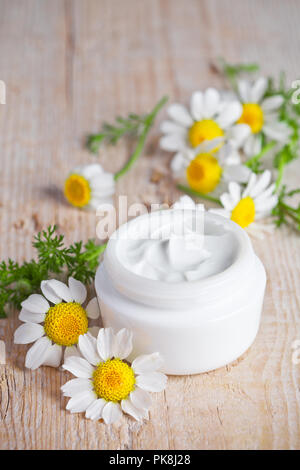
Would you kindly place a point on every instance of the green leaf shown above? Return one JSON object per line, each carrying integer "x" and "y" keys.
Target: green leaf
{"x": 18, "y": 281}
{"x": 133, "y": 126}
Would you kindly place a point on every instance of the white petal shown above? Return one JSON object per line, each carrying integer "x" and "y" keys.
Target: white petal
{"x": 94, "y": 411}
{"x": 49, "y": 293}
{"x": 81, "y": 401}
{"x": 267, "y": 204}
{"x": 270, "y": 116}
{"x": 265, "y": 194}
{"x": 235, "y": 192}
{"x": 227, "y": 201}
{"x": 197, "y": 105}
{"x": 140, "y": 398}
{"x": 75, "y": 386}
{"x": 178, "y": 163}
{"x": 279, "y": 131}
{"x": 211, "y": 101}
{"x": 103, "y": 186}
{"x": 233, "y": 158}
{"x": 60, "y": 290}
{"x": 180, "y": 114}
{"x": 78, "y": 290}
{"x": 252, "y": 145}
{"x": 53, "y": 356}
{"x": 273, "y": 102}
{"x": 238, "y": 134}
{"x": 228, "y": 155}
{"x": 152, "y": 382}
{"x": 27, "y": 316}
{"x": 105, "y": 343}
{"x": 258, "y": 90}
{"x": 88, "y": 347}
{"x": 244, "y": 90}
{"x": 92, "y": 309}
{"x": 250, "y": 185}
{"x": 100, "y": 205}
{"x": 208, "y": 145}
{"x": 262, "y": 182}
{"x": 90, "y": 170}
{"x": 111, "y": 412}
{"x": 37, "y": 353}
{"x": 170, "y": 127}
{"x": 36, "y": 303}
{"x": 71, "y": 351}
{"x": 230, "y": 114}
{"x": 123, "y": 343}
{"x": 172, "y": 142}
{"x": 78, "y": 367}
{"x": 238, "y": 173}
{"x": 147, "y": 363}
{"x": 102, "y": 200}
{"x": 102, "y": 195}
{"x": 28, "y": 332}
{"x": 105, "y": 196}
{"x": 129, "y": 408}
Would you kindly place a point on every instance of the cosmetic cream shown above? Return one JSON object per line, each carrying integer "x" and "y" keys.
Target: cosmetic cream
{"x": 187, "y": 283}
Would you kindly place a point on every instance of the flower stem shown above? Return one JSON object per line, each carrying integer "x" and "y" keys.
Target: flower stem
{"x": 291, "y": 212}
{"x": 192, "y": 192}
{"x": 142, "y": 138}
{"x": 280, "y": 174}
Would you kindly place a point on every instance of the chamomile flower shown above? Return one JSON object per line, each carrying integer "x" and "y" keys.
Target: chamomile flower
{"x": 246, "y": 206}
{"x": 202, "y": 169}
{"x": 53, "y": 327}
{"x": 261, "y": 115}
{"x": 88, "y": 186}
{"x": 209, "y": 117}
{"x": 106, "y": 384}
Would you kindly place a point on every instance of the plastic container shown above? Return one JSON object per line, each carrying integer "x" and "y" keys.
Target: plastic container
{"x": 196, "y": 325}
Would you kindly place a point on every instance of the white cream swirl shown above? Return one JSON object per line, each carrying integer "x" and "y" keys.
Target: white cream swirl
{"x": 175, "y": 258}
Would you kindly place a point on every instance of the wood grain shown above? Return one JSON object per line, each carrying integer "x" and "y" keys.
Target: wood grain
{"x": 68, "y": 65}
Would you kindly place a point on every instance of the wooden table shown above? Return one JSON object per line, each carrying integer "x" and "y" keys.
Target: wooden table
{"x": 68, "y": 65}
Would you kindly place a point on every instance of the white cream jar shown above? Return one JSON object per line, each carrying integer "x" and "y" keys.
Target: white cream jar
{"x": 196, "y": 300}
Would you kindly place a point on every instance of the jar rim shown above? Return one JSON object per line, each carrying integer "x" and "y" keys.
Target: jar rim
{"x": 152, "y": 291}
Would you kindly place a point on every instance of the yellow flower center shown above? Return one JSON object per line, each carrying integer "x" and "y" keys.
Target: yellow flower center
{"x": 204, "y": 173}
{"x": 113, "y": 380}
{"x": 65, "y": 322}
{"x": 253, "y": 116}
{"x": 244, "y": 212}
{"x": 207, "y": 129}
{"x": 77, "y": 190}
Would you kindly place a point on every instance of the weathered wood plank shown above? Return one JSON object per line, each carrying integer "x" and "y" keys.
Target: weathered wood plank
{"x": 69, "y": 65}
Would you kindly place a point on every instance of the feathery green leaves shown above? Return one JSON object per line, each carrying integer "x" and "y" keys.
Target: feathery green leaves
{"x": 17, "y": 281}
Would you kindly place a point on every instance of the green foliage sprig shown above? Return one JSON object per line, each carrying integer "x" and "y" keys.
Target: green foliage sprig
{"x": 133, "y": 126}
{"x": 17, "y": 281}
{"x": 284, "y": 213}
